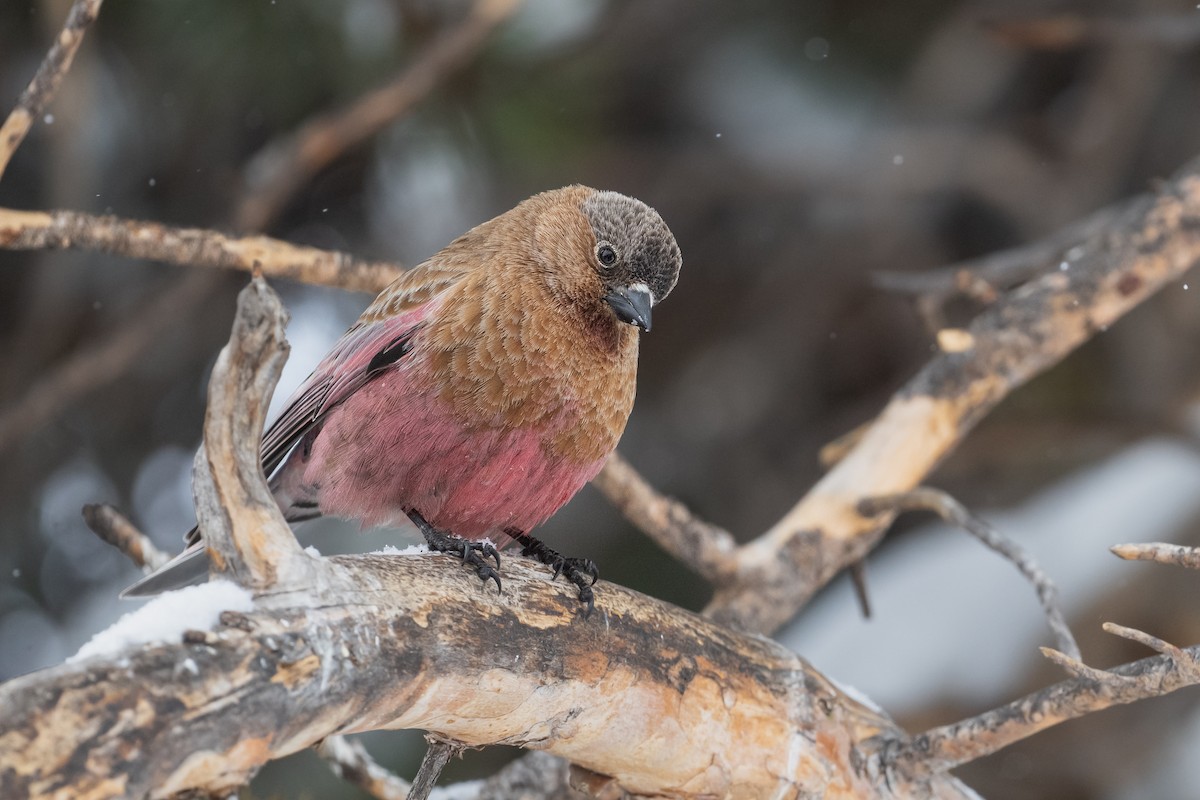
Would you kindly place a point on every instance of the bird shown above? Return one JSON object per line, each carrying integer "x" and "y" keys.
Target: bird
{"x": 481, "y": 390}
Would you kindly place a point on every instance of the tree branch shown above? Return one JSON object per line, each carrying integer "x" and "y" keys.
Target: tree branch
{"x": 928, "y": 499}
{"x": 663, "y": 701}
{"x": 1091, "y": 690}
{"x": 1176, "y": 554}
{"x": 352, "y": 763}
{"x": 41, "y": 90}
{"x": 112, "y": 526}
{"x": 704, "y": 547}
{"x": 247, "y": 537}
{"x": 1155, "y": 239}
{"x": 196, "y": 247}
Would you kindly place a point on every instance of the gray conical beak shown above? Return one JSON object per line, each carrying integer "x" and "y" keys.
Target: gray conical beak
{"x": 632, "y": 304}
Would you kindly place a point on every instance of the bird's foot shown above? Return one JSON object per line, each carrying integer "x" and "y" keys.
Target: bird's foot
{"x": 473, "y": 554}
{"x": 580, "y": 571}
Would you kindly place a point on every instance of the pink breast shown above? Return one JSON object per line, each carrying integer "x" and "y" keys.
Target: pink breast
{"x": 392, "y": 447}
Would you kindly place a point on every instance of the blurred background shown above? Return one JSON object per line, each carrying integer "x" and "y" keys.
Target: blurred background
{"x": 796, "y": 149}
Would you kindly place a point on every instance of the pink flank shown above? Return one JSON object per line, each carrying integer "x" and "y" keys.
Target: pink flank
{"x": 393, "y": 446}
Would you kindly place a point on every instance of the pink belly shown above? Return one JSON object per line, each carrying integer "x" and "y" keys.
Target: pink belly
{"x": 389, "y": 448}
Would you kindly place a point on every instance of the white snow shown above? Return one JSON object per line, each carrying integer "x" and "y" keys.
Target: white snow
{"x": 464, "y": 790}
{"x": 167, "y": 616}
{"x": 411, "y": 550}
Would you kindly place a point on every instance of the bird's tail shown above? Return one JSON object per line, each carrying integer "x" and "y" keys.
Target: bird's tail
{"x": 191, "y": 566}
{"x": 186, "y": 569}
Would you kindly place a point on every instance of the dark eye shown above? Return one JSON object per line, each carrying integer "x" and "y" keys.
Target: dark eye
{"x": 606, "y": 254}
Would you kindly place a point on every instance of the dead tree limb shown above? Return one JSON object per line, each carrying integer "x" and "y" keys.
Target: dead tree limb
{"x": 247, "y": 538}
{"x": 41, "y": 90}
{"x": 352, "y": 763}
{"x": 112, "y": 526}
{"x": 193, "y": 247}
{"x": 925, "y": 498}
{"x": 952, "y": 745}
{"x": 1163, "y": 553}
{"x": 1155, "y": 239}
{"x": 665, "y": 702}
{"x": 704, "y": 547}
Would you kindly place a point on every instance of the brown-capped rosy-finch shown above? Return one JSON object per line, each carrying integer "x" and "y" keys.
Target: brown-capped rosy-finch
{"x": 482, "y": 389}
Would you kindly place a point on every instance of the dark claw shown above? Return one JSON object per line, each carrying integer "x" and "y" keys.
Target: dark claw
{"x": 471, "y": 557}
{"x": 586, "y": 596}
{"x": 586, "y": 566}
{"x": 489, "y": 549}
{"x": 472, "y": 553}
{"x": 576, "y": 570}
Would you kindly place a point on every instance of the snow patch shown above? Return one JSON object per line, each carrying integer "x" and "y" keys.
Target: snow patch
{"x": 464, "y": 790}
{"x": 166, "y": 617}
{"x": 411, "y": 550}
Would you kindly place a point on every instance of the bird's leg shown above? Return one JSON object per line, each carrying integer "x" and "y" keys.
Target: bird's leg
{"x": 576, "y": 570}
{"x": 472, "y": 553}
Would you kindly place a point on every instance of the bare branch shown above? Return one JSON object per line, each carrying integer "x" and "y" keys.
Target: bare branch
{"x": 663, "y": 701}
{"x": 193, "y": 247}
{"x": 283, "y": 167}
{"x": 352, "y": 763}
{"x": 41, "y": 90}
{"x": 1184, "y": 659}
{"x": 244, "y": 530}
{"x": 1176, "y": 554}
{"x": 984, "y": 278}
{"x": 1153, "y": 240}
{"x": 704, "y": 547}
{"x": 437, "y": 756}
{"x": 112, "y": 526}
{"x": 949, "y": 746}
{"x": 929, "y": 499}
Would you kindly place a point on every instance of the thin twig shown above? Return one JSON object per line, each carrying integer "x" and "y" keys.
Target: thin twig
{"x": 112, "y": 526}
{"x": 985, "y": 277}
{"x": 248, "y": 542}
{"x": 702, "y": 546}
{"x": 436, "y": 758}
{"x": 41, "y": 90}
{"x": 282, "y": 167}
{"x": 351, "y": 762}
{"x": 941, "y": 749}
{"x": 1163, "y": 553}
{"x": 197, "y": 247}
{"x": 1077, "y": 669}
{"x": 1183, "y": 658}
{"x": 925, "y": 498}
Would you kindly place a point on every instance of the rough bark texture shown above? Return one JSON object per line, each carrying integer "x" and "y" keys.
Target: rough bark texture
{"x": 664, "y": 701}
{"x": 248, "y": 539}
{"x": 60, "y": 230}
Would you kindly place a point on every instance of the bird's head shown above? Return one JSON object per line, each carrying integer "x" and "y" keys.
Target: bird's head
{"x": 620, "y": 255}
